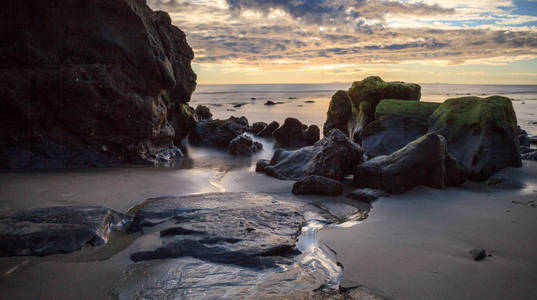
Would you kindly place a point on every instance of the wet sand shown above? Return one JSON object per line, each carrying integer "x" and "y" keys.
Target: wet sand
{"x": 415, "y": 245}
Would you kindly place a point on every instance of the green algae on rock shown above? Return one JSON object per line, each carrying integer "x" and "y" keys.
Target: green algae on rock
{"x": 480, "y": 132}
{"x": 404, "y": 108}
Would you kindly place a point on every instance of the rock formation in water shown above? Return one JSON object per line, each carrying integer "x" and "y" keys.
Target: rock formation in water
{"x": 424, "y": 161}
{"x": 480, "y": 132}
{"x": 244, "y": 145}
{"x": 363, "y": 97}
{"x": 295, "y": 134}
{"x": 268, "y": 130}
{"x": 203, "y": 112}
{"x": 52, "y": 230}
{"x": 218, "y": 133}
{"x": 334, "y": 156}
{"x": 91, "y": 83}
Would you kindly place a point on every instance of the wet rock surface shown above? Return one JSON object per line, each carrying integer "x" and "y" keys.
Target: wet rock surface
{"x": 111, "y": 88}
{"x": 249, "y": 230}
{"x": 421, "y": 162}
{"x": 244, "y": 145}
{"x": 480, "y": 132}
{"x": 318, "y": 185}
{"x": 295, "y": 134}
{"x": 218, "y": 133}
{"x": 257, "y": 127}
{"x": 54, "y": 230}
{"x": 334, "y": 156}
{"x": 530, "y": 156}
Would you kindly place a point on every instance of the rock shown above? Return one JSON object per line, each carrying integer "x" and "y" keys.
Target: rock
{"x": 293, "y": 134}
{"x": 261, "y": 164}
{"x": 339, "y": 113}
{"x": 524, "y": 140}
{"x": 243, "y": 145}
{"x": 218, "y": 133}
{"x": 250, "y": 230}
{"x": 418, "y": 110}
{"x": 372, "y": 90}
{"x": 456, "y": 172}
{"x": 257, "y": 127}
{"x": 398, "y": 122}
{"x": 480, "y": 132}
{"x": 478, "y": 254}
{"x": 309, "y": 101}
{"x": 421, "y": 162}
{"x": 367, "y": 195}
{"x": 389, "y": 134}
{"x": 203, "y": 112}
{"x": 318, "y": 185}
{"x": 530, "y": 156}
{"x": 113, "y": 73}
{"x": 269, "y": 129}
{"x": 52, "y": 230}
{"x": 533, "y": 140}
{"x": 270, "y": 103}
{"x": 334, "y": 156}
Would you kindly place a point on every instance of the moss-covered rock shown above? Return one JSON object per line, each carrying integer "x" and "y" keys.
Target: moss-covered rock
{"x": 339, "y": 113}
{"x": 372, "y": 90}
{"x": 480, "y": 132}
{"x": 404, "y": 108}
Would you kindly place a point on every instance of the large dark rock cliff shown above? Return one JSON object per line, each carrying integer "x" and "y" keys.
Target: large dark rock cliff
{"x": 91, "y": 82}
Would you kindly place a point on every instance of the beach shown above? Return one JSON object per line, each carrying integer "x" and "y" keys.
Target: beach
{"x": 410, "y": 246}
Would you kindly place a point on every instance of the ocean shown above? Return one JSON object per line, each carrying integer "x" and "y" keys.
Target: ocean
{"x": 296, "y": 99}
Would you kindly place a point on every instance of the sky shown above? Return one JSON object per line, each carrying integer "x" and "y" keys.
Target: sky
{"x": 323, "y": 41}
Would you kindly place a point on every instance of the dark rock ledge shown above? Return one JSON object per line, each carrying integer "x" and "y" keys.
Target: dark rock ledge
{"x": 91, "y": 84}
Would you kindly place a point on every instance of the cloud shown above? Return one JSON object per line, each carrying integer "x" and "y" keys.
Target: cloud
{"x": 296, "y": 34}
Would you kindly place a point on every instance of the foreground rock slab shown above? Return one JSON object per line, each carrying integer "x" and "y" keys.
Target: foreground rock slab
{"x": 52, "y": 230}
{"x": 249, "y": 230}
{"x": 481, "y": 132}
{"x": 421, "y": 162}
{"x": 334, "y": 156}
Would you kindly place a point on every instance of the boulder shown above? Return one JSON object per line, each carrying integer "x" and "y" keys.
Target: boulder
{"x": 334, "y": 156}
{"x": 421, "y": 162}
{"x": 318, "y": 185}
{"x": 218, "y": 133}
{"x": 367, "y": 195}
{"x": 52, "y": 230}
{"x": 249, "y": 230}
{"x": 480, "y": 132}
{"x": 371, "y": 90}
{"x": 294, "y": 134}
{"x": 269, "y": 102}
{"x": 257, "y": 127}
{"x": 203, "y": 112}
{"x": 243, "y": 145}
{"x": 339, "y": 113}
{"x": 112, "y": 75}
{"x": 269, "y": 129}
{"x": 398, "y": 122}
